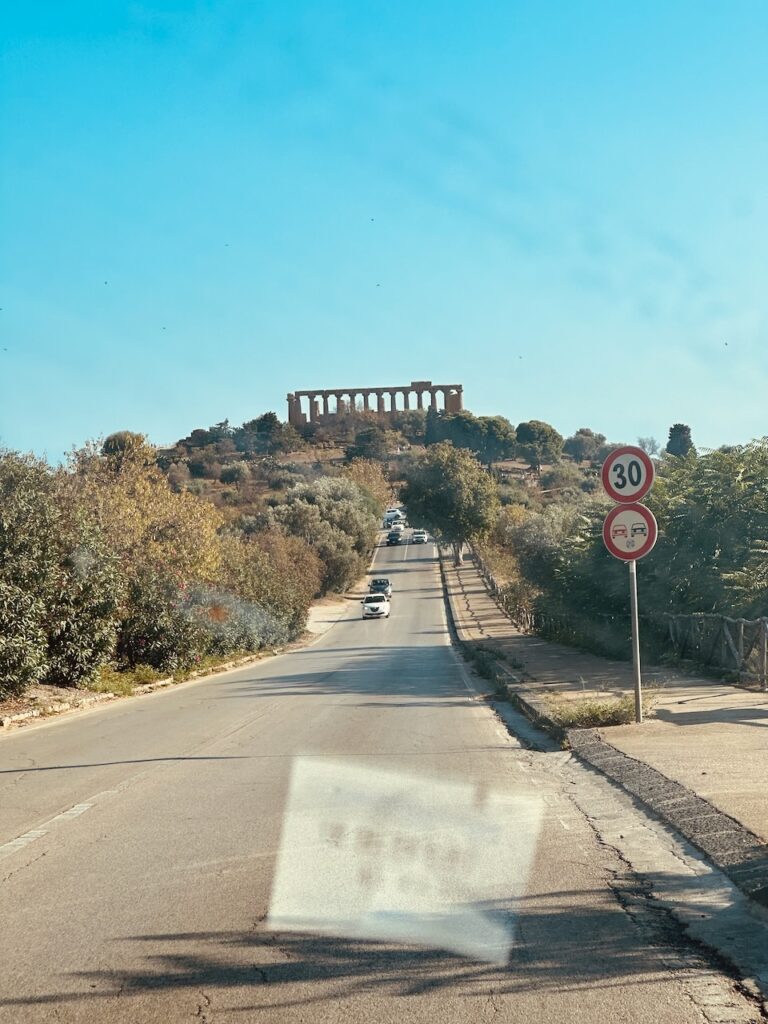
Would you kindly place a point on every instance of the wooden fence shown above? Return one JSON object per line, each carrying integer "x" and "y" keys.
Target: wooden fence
{"x": 735, "y": 645}
{"x": 529, "y": 620}
{"x": 739, "y": 646}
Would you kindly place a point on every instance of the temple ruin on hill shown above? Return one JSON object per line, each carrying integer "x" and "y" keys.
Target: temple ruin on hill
{"x": 337, "y": 401}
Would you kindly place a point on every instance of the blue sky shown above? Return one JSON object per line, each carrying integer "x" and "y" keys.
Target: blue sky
{"x": 205, "y": 205}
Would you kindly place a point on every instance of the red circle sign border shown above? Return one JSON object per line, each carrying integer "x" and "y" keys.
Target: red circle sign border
{"x": 628, "y": 449}
{"x": 653, "y": 531}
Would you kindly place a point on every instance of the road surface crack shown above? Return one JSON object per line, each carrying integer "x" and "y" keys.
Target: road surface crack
{"x": 21, "y": 867}
{"x": 710, "y": 980}
{"x": 493, "y": 1004}
{"x": 202, "y": 1007}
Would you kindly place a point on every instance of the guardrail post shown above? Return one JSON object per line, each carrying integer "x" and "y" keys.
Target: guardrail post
{"x": 763, "y": 654}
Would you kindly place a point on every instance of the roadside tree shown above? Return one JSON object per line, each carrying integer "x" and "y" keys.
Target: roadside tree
{"x": 448, "y": 492}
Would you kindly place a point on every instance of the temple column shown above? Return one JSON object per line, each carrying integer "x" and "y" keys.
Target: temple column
{"x": 393, "y": 401}
{"x": 325, "y": 404}
{"x": 419, "y": 399}
{"x": 380, "y": 402}
{"x": 451, "y": 400}
{"x": 291, "y": 399}
{"x": 366, "y": 406}
{"x": 406, "y": 400}
{"x": 433, "y": 398}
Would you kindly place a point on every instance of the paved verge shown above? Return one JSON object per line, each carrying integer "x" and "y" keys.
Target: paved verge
{"x": 696, "y": 765}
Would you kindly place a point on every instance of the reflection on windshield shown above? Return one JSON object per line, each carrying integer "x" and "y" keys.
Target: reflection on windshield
{"x": 385, "y": 855}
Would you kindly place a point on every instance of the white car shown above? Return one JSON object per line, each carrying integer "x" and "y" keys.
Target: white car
{"x": 375, "y": 606}
{"x": 419, "y": 537}
{"x": 393, "y": 517}
{"x": 397, "y": 527}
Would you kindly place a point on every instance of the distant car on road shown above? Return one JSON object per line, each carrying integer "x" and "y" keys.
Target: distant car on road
{"x": 397, "y": 527}
{"x": 393, "y": 515}
{"x": 375, "y": 606}
{"x": 381, "y": 586}
{"x": 619, "y": 531}
{"x": 419, "y": 537}
{"x": 394, "y": 537}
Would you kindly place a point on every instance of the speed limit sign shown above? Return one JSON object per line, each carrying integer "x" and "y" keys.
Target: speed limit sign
{"x": 627, "y": 474}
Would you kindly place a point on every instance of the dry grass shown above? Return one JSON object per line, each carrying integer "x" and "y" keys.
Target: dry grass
{"x": 592, "y": 714}
{"x": 109, "y": 680}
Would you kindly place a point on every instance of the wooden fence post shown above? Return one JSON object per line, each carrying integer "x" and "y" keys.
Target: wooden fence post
{"x": 723, "y": 645}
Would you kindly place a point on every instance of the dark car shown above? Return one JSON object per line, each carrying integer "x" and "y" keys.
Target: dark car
{"x": 393, "y": 537}
{"x": 380, "y": 586}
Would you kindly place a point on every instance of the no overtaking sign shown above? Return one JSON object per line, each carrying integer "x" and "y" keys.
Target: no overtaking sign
{"x": 629, "y": 531}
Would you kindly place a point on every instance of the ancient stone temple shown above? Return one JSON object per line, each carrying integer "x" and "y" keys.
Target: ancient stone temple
{"x": 323, "y": 405}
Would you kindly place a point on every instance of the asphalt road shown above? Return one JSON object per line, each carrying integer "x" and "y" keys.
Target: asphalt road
{"x": 343, "y": 833}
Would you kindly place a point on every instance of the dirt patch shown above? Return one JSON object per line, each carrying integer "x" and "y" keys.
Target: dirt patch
{"x": 39, "y": 696}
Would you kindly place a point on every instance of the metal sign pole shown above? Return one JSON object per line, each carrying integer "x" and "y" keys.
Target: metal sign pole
{"x": 635, "y": 641}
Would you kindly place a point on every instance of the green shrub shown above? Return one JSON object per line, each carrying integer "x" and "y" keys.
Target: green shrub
{"x": 483, "y": 660}
{"x": 157, "y": 629}
{"x": 82, "y": 623}
{"x": 23, "y": 652}
{"x": 235, "y": 473}
{"x": 232, "y": 625}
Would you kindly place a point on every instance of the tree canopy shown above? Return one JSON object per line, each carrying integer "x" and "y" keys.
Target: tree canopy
{"x": 539, "y": 442}
{"x": 447, "y": 491}
{"x": 679, "y": 441}
{"x": 491, "y": 438}
{"x": 585, "y": 445}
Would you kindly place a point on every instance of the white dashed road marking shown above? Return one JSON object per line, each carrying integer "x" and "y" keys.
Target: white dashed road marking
{"x": 73, "y": 812}
{"x": 14, "y": 845}
{"x": 18, "y": 844}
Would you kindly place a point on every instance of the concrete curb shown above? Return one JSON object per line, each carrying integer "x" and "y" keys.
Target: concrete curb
{"x": 728, "y": 844}
{"x": 533, "y": 707}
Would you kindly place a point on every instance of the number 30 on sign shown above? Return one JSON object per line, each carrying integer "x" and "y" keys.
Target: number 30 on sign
{"x": 627, "y": 474}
